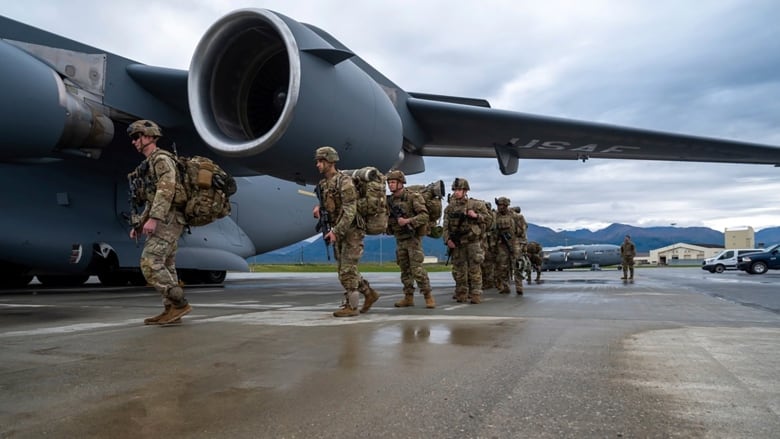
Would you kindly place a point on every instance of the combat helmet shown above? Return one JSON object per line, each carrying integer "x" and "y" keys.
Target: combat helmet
{"x": 460, "y": 183}
{"x": 395, "y": 174}
{"x": 327, "y": 153}
{"x": 145, "y": 127}
{"x": 502, "y": 200}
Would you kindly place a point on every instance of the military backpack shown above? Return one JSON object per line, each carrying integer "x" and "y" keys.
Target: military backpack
{"x": 432, "y": 193}
{"x": 371, "y": 203}
{"x": 208, "y": 189}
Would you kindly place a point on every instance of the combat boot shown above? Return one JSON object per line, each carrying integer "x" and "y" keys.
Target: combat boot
{"x": 408, "y": 300}
{"x": 430, "y": 303}
{"x": 476, "y": 299}
{"x": 370, "y": 297}
{"x": 175, "y": 314}
{"x": 156, "y": 319}
{"x": 350, "y": 306}
{"x": 346, "y": 311}
{"x": 631, "y": 271}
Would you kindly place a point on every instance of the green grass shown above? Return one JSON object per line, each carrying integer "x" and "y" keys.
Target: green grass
{"x": 388, "y": 267}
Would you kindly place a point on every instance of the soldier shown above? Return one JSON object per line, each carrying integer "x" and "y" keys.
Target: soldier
{"x": 464, "y": 224}
{"x": 408, "y": 222}
{"x": 489, "y": 247}
{"x": 340, "y": 200}
{"x": 627, "y": 253}
{"x": 507, "y": 248}
{"x": 524, "y": 263}
{"x": 534, "y": 251}
{"x": 162, "y": 220}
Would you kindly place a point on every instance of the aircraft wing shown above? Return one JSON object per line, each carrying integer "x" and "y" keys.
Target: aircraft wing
{"x": 470, "y": 129}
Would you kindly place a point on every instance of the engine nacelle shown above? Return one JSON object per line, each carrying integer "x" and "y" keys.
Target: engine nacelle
{"x": 556, "y": 257}
{"x": 40, "y": 116}
{"x": 269, "y": 89}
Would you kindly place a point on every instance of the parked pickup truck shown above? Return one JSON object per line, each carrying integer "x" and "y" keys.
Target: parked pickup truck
{"x": 760, "y": 263}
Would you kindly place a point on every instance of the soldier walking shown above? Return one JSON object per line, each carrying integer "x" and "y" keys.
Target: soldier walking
{"x": 464, "y": 223}
{"x": 627, "y": 253}
{"x": 162, "y": 220}
{"x": 408, "y": 223}
{"x": 340, "y": 201}
{"x": 507, "y": 248}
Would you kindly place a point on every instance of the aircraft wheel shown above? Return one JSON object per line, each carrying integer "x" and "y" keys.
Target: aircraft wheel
{"x": 62, "y": 280}
{"x": 213, "y": 277}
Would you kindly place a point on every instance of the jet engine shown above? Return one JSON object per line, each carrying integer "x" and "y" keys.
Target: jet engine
{"x": 557, "y": 257}
{"x": 43, "y": 116}
{"x": 268, "y": 89}
{"x": 578, "y": 255}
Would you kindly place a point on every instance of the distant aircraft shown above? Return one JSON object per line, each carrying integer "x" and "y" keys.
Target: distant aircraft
{"x": 263, "y": 91}
{"x": 581, "y": 255}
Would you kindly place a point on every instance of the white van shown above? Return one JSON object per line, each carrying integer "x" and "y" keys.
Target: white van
{"x": 727, "y": 259}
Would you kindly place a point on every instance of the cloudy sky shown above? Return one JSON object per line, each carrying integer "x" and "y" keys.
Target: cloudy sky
{"x": 708, "y": 68}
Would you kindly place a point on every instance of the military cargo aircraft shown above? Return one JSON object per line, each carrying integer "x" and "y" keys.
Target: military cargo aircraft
{"x": 262, "y": 92}
{"x": 594, "y": 256}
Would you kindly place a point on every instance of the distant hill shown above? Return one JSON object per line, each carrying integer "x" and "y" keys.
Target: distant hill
{"x": 382, "y": 248}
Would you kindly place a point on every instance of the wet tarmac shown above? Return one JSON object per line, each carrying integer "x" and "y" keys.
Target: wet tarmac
{"x": 676, "y": 353}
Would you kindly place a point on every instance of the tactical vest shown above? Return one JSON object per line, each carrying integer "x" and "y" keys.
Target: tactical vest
{"x": 336, "y": 191}
{"x": 459, "y": 224}
{"x": 505, "y": 223}
{"x": 143, "y": 180}
{"x": 405, "y": 203}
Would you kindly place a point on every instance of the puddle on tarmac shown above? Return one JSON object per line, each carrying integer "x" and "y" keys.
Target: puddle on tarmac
{"x": 440, "y": 333}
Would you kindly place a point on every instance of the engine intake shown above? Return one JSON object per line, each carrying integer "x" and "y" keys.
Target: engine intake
{"x": 268, "y": 89}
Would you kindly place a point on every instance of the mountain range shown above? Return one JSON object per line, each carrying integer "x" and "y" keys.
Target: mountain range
{"x": 381, "y": 248}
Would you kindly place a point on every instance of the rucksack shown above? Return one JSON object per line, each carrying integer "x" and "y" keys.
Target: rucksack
{"x": 533, "y": 247}
{"x": 432, "y": 193}
{"x": 207, "y": 189}
{"x": 371, "y": 203}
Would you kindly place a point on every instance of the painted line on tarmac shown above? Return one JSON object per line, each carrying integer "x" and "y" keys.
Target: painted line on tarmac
{"x": 292, "y": 317}
{"x": 68, "y": 328}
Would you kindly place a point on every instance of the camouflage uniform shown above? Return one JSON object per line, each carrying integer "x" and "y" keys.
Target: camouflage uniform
{"x": 489, "y": 266}
{"x": 523, "y": 265}
{"x": 164, "y": 198}
{"x": 507, "y": 248}
{"x": 627, "y": 253}
{"x": 340, "y": 200}
{"x": 409, "y": 251}
{"x": 534, "y": 251}
{"x": 466, "y": 233}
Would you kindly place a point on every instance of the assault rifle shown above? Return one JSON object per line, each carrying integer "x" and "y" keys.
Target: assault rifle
{"x": 397, "y": 212}
{"x": 137, "y": 181}
{"x": 323, "y": 222}
{"x": 455, "y": 237}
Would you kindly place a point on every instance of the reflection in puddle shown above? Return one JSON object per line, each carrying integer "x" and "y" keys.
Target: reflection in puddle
{"x": 439, "y": 333}
{"x": 412, "y": 333}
